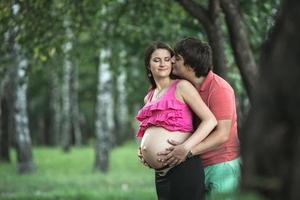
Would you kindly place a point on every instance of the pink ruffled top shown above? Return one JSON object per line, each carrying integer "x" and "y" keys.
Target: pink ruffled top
{"x": 166, "y": 112}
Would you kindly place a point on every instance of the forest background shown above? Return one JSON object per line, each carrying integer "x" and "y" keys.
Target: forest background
{"x": 72, "y": 79}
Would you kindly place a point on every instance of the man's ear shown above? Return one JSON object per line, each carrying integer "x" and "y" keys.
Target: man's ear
{"x": 189, "y": 68}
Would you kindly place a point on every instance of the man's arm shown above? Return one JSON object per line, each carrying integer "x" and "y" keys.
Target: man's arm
{"x": 215, "y": 139}
{"x": 222, "y": 105}
{"x": 191, "y": 97}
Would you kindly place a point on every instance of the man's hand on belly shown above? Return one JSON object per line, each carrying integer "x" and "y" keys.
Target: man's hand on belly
{"x": 173, "y": 155}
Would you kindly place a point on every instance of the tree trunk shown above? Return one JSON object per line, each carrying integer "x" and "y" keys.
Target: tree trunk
{"x": 216, "y": 42}
{"x": 66, "y": 108}
{"x": 240, "y": 45}
{"x": 5, "y": 115}
{"x": 23, "y": 140}
{"x": 271, "y": 138}
{"x": 52, "y": 115}
{"x": 103, "y": 120}
{"x": 75, "y": 120}
{"x": 209, "y": 19}
{"x": 25, "y": 162}
{"x": 117, "y": 130}
{"x": 66, "y": 90}
{"x": 4, "y": 137}
{"x": 127, "y": 133}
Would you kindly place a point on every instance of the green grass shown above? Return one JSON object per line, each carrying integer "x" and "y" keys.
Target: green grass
{"x": 70, "y": 176}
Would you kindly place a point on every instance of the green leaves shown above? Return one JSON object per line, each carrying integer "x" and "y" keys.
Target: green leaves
{"x": 126, "y": 27}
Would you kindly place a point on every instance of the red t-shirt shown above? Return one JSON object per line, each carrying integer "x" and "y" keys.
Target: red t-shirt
{"x": 219, "y": 97}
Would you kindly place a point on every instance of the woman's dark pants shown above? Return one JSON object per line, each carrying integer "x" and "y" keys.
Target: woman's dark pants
{"x": 183, "y": 182}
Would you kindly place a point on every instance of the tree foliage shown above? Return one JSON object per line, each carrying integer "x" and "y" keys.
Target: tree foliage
{"x": 125, "y": 27}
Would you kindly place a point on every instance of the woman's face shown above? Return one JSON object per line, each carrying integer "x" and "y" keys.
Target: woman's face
{"x": 161, "y": 63}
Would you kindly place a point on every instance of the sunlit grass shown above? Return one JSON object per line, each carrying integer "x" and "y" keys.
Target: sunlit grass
{"x": 63, "y": 176}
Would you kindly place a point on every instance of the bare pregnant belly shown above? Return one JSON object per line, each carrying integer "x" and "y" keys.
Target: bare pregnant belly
{"x": 155, "y": 140}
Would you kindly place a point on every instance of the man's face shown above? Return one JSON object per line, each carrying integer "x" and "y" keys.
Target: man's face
{"x": 179, "y": 68}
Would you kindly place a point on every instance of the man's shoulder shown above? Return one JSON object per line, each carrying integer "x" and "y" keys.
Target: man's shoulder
{"x": 219, "y": 83}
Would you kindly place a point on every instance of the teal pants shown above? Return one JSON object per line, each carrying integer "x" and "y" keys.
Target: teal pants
{"x": 222, "y": 180}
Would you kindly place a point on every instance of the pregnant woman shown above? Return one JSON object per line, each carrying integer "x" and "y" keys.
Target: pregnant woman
{"x": 167, "y": 114}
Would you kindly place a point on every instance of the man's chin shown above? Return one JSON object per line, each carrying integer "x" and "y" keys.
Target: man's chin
{"x": 176, "y": 74}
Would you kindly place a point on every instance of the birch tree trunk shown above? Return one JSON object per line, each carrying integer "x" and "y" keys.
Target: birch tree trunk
{"x": 66, "y": 90}
{"x": 66, "y": 108}
{"x": 103, "y": 119}
{"x": 25, "y": 162}
{"x": 120, "y": 129}
{"x": 123, "y": 110}
{"x": 23, "y": 140}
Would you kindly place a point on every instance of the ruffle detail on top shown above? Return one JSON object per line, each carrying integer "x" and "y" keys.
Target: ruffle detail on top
{"x": 164, "y": 105}
{"x": 164, "y": 113}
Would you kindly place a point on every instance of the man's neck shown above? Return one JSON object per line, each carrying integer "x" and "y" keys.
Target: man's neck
{"x": 196, "y": 81}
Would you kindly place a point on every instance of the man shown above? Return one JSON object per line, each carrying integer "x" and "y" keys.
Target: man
{"x": 220, "y": 150}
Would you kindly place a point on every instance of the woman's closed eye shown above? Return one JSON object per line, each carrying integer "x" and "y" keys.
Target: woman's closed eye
{"x": 167, "y": 59}
{"x": 156, "y": 60}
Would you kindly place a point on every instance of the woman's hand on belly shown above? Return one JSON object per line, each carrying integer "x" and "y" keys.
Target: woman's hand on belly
{"x": 150, "y": 157}
{"x": 141, "y": 159}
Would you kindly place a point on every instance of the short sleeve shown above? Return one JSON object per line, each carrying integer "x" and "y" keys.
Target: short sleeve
{"x": 221, "y": 102}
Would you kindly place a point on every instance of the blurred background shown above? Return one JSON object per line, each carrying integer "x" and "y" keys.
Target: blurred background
{"x": 72, "y": 78}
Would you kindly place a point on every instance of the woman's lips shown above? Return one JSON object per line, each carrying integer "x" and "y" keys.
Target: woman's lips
{"x": 164, "y": 69}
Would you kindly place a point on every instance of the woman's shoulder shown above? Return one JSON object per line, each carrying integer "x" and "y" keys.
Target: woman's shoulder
{"x": 183, "y": 88}
{"x": 148, "y": 95}
{"x": 183, "y": 84}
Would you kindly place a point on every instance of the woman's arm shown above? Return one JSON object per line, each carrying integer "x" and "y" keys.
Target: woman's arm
{"x": 139, "y": 152}
{"x": 186, "y": 92}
